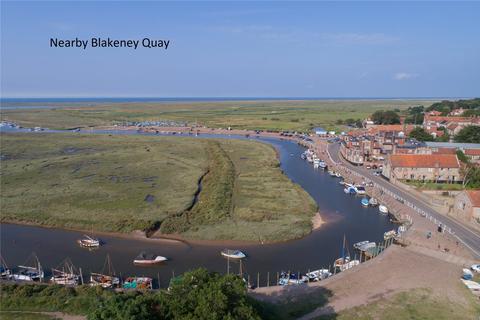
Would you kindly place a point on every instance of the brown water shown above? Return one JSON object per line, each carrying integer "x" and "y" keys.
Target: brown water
{"x": 343, "y": 215}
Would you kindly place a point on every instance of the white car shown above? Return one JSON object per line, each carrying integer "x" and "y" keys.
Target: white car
{"x": 475, "y": 267}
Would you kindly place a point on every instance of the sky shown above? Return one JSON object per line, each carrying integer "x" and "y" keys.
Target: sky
{"x": 243, "y": 49}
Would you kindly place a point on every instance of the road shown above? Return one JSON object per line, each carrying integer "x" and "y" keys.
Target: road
{"x": 470, "y": 238}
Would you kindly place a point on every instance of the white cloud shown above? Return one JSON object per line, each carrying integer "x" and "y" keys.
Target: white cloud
{"x": 405, "y": 76}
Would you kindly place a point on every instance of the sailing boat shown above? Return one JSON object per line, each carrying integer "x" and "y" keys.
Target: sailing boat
{"x": 105, "y": 280}
{"x": 343, "y": 263}
{"x": 33, "y": 272}
{"x": 89, "y": 242}
{"x": 66, "y": 275}
{"x": 5, "y": 272}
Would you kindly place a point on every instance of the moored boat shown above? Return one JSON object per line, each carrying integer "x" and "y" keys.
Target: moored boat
{"x": 138, "y": 283}
{"x": 367, "y": 246}
{"x": 373, "y": 202}
{"x": 144, "y": 259}
{"x": 234, "y": 254}
{"x": 89, "y": 242}
{"x": 107, "y": 278}
{"x": 288, "y": 278}
{"x": 65, "y": 275}
{"x": 383, "y": 209}
{"x": 33, "y": 272}
{"x": 350, "y": 190}
{"x": 349, "y": 265}
{"x": 359, "y": 244}
{"x": 360, "y": 190}
{"x": 5, "y": 272}
{"x": 364, "y": 202}
{"x": 331, "y": 173}
{"x": 389, "y": 234}
{"x": 338, "y": 175}
{"x": 318, "y": 275}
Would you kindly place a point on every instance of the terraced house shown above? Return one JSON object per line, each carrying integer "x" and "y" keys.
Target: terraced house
{"x": 421, "y": 167}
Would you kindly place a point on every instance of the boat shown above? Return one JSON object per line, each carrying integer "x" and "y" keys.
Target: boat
{"x": 360, "y": 190}
{"x": 107, "y": 278}
{"x": 33, "y": 272}
{"x": 137, "y": 283}
{"x": 338, "y": 175}
{"x": 65, "y": 275}
{"x": 331, "y": 173}
{"x": 234, "y": 254}
{"x": 322, "y": 165}
{"x": 303, "y": 156}
{"x": 5, "y": 272}
{"x": 349, "y": 265}
{"x": 389, "y": 234}
{"x": 367, "y": 246}
{"x": 349, "y": 190}
{"x": 288, "y": 278}
{"x": 318, "y": 275}
{"x": 383, "y": 209}
{"x": 364, "y": 202}
{"x": 373, "y": 202}
{"x": 467, "y": 274}
{"x": 359, "y": 244}
{"x": 316, "y": 163}
{"x": 341, "y": 182}
{"x": 144, "y": 259}
{"x": 89, "y": 242}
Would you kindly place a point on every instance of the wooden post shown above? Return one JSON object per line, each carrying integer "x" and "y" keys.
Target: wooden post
{"x": 248, "y": 279}
{"x": 278, "y": 278}
{"x": 268, "y": 279}
{"x": 158, "y": 276}
{"x": 228, "y": 265}
{"x": 173, "y": 273}
{"x": 258, "y": 279}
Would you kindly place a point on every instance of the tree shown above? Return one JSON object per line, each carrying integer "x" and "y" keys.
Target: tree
{"x": 385, "y": 117}
{"x": 420, "y": 134}
{"x": 469, "y": 134}
{"x": 461, "y": 156}
{"x": 471, "y": 176}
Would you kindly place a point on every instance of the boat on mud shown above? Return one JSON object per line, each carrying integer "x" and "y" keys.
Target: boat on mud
{"x": 322, "y": 165}
{"x": 383, "y": 209}
{"x": 144, "y": 259}
{"x": 389, "y": 234}
{"x": 318, "y": 275}
{"x": 360, "y": 190}
{"x": 65, "y": 275}
{"x": 331, "y": 173}
{"x": 364, "y": 202}
{"x": 140, "y": 283}
{"x": 88, "y": 242}
{"x": 106, "y": 279}
{"x": 338, "y": 175}
{"x": 233, "y": 254}
{"x": 32, "y": 272}
{"x": 288, "y": 278}
{"x": 373, "y": 202}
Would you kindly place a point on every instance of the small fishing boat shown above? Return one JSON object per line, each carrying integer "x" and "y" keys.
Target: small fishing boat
{"x": 349, "y": 265}
{"x": 359, "y": 244}
{"x": 338, "y": 175}
{"x": 316, "y": 163}
{"x": 467, "y": 274}
{"x": 341, "y": 182}
{"x": 383, "y": 209}
{"x": 373, "y": 202}
{"x": 322, "y": 165}
{"x": 331, "y": 173}
{"x": 303, "y": 156}
{"x": 364, "y": 202}
{"x": 234, "y": 254}
{"x": 138, "y": 283}
{"x": 144, "y": 259}
{"x": 33, "y": 272}
{"x": 107, "y": 278}
{"x": 389, "y": 234}
{"x": 89, "y": 242}
{"x": 287, "y": 278}
{"x": 318, "y": 275}
{"x": 367, "y": 246}
{"x": 350, "y": 190}
{"x": 65, "y": 274}
{"x": 360, "y": 190}
{"x": 5, "y": 272}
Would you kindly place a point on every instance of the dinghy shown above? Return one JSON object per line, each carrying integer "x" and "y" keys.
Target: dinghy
{"x": 364, "y": 202}
{"x": 373, "y": 202}
{"x": 318, "y": 275}
{"x": 383, "y": 209}
{"x": 144, "y": 259}
{"x": 338, "y": 175}
{"x": 138, "y": 283}
{"x": 359, "y": 244}
{"x": 360, "y": 190}
{"x": 234, "y": 254}
{"x": 389, "y": 234}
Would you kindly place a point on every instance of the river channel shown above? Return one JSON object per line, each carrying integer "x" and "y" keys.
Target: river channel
{"x": 342, "y": 213}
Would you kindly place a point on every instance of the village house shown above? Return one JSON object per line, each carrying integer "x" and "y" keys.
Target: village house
{"x": 433, "y": 124}
{"x": 422, "y": 167}
{"x": 467, "y": 205}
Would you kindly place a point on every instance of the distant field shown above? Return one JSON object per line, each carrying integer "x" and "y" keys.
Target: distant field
{"x": 126, "y": 183}
{"x": 268, "y": 115}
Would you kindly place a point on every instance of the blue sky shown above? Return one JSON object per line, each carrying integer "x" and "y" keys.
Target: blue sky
{"x": 249, "y": 49}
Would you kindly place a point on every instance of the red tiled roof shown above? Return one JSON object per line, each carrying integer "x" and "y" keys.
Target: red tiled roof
{"x": 391, "y": 128}
{"x": 474, "y": 196}
{"x": 472, "y": 152}
{"x": 446, "y": 151}
{"x": 424, "y": 161}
